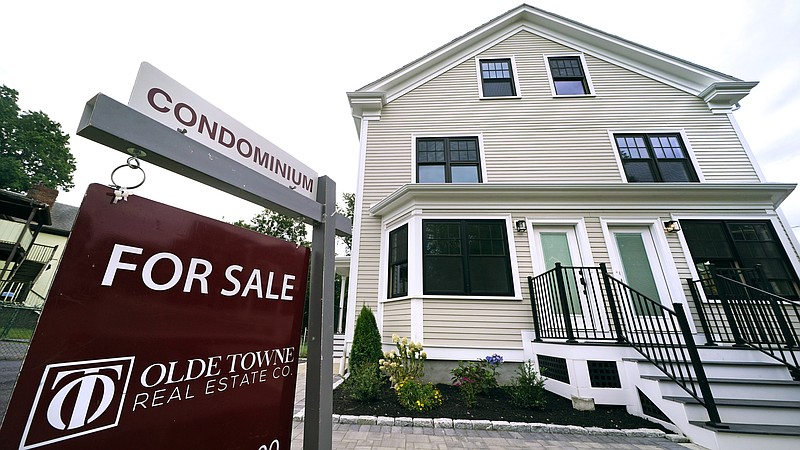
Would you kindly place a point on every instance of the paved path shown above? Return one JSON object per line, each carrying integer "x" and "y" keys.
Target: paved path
{"x": 375, "y": 437}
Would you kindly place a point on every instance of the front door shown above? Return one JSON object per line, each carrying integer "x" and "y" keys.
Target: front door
{"x": 639, "y": 266}
{"x": 554, "y": 244}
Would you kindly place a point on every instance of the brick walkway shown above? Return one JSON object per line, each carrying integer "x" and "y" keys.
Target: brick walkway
{"x": 376, "y": 437}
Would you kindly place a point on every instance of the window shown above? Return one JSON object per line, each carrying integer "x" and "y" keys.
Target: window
{"x": 398, "y": 262}
{"x": 448, "y": 160}
{"x": 736, "y": 247}
{"x": 497, "y": 78}
{"x": 654, "y": 158}
{"x": 466, "y": 257}
{"x": 568, "y": 75}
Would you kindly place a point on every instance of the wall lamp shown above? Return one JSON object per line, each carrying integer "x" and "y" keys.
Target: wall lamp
{"x": 521, "y": 226}
{"x": 672, "y": 226}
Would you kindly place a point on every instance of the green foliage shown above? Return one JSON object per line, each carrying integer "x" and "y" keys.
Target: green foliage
{"x": 364, "y": 383}
{"x": 366, "y": 347}
{"x": 33, "y": 149}
{"x": 277, "y": 225}
{"x": 527, "y": 388}
{"x": 415, "y": 395}
{"x": 349, "y": 212}
{"x": 405, "y": 363}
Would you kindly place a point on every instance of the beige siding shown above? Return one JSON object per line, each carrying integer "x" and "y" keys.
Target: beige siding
{"x": 494, "y": 324}
{"x": 533, "y": 139}
{"x": 396, "y": 320}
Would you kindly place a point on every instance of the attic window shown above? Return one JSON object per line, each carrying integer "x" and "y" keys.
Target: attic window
{"x": 497, "y": 78}
{"x": 568, "y": 75}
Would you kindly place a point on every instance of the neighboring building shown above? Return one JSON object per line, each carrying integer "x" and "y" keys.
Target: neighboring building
{"x": 533, "y": 140}
{"x": 32, "y": 239}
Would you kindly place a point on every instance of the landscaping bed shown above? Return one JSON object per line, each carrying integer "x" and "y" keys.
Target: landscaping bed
{"x": 496, "y": 406}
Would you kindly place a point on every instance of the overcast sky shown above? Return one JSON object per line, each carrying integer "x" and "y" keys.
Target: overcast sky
{"x": 283, "y": 68}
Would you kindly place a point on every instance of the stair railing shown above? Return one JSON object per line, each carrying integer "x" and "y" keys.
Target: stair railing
{"x": 659, "y": 334}
{"x": 738, "y": 313}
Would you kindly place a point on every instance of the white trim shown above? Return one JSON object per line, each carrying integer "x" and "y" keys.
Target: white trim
{"x": 445, "y": 353}
{"x": 682, "y": 132}
{"x": 747, "y": 150}
{"x": 517, "y": 91}
{"x": 417, "y": 320}
{"x": 674, "y": 289}
{"x": 352, "y": 292}
{"x": 583, "y": 66}
{"x": 467, "y": 134}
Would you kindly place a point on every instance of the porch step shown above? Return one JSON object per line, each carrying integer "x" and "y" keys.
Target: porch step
{"x": 748, "y": 428}
{"x": 746, "y": 388}
{"x": 744, "y": 411}
{"x": 722, "y": 368}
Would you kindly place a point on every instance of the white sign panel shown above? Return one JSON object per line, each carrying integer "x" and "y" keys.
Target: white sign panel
{"x": 160, "y": 97}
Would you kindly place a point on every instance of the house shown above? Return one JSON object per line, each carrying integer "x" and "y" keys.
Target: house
{"x": 546, "y": 191}
{"x": 39, "y": 239}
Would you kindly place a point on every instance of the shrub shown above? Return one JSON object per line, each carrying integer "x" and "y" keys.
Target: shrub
{"x": 415, "y": 395}
{"x": 366, "y": 347}
{"x": 405, "y": 363}
{"x": 527, "y": 388}
{"x": 476, "y": 377}
{"x": 364, "y": 383}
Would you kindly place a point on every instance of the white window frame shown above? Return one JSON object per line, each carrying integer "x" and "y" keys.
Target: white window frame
{"x": 583, "y": 66}
{"x": 481, "y": 153}
{"x": 514, "y": 73}
{"x": 680, "y": 131}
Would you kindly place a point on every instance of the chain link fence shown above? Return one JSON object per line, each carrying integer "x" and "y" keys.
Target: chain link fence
{"x": 16, "y": 329}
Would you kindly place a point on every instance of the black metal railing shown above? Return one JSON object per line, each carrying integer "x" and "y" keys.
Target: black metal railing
{"x": 41, "y": 253}
{"x": 746, "y": 316}
{"x": 567, "y": 301}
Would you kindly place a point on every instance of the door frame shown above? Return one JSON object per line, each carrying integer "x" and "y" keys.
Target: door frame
{"x": 674, "y": 289}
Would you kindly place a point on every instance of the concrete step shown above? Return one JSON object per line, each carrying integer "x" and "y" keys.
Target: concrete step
{"x": 772, "y": 370}
{"x": 753, "y": 388}
{"x": 746, "y": 411}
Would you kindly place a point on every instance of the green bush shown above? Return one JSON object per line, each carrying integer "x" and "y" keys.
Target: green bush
{"x": 476, "y": 377}
{"x": 366, "y": 347}
{"x": 527, "y": 388}
{"x": 415, "y": 395}
{"x": 405, "y": 363}
{"x": 364, "y": 383}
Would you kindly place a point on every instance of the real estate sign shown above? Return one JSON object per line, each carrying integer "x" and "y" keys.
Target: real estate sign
{"x": 163, "y": 329}
{"x": 165, "y": 100}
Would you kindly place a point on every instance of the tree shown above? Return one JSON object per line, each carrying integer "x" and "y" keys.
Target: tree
{"x": 366, "y": 347}
{"x": 33, "y": 149}
{"x": 277, "y": 225}
{"x": 349, "y": 209}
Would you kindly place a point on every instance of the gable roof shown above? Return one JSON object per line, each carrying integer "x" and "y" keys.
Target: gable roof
{"x": 719, "y": 90}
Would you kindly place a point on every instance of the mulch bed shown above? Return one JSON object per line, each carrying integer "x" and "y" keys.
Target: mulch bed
{"x": 497, "y": 406}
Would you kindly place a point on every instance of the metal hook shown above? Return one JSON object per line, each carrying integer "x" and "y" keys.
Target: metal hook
{"x": 121, "y": 192}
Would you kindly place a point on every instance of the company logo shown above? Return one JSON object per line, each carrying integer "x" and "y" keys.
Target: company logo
{"x": 77, "y": 398}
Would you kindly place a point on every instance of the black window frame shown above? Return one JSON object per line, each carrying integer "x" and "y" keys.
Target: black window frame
{"x": 448, "y": 162}
{"x": 466, "y": 258}
{"x": 398, "y": 263}
{"x": 497, "y": 80}
{"x": 583, "y": 78}
{"x": 652, "y": 160}
{"x": 729, "y": 254}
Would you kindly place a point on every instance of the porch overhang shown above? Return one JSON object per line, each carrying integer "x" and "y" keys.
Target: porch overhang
{"x": 641, "y": 196}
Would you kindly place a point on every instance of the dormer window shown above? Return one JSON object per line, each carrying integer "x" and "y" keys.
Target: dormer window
{"x": 568, "y": 75}
{"x": 497, "y": 78}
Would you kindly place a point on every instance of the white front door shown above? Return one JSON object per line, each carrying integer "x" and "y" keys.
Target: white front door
{"x": 637, "y": 263}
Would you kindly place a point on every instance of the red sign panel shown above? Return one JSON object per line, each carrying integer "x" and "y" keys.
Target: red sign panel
{"x": 162, "y": 330}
